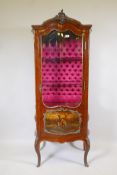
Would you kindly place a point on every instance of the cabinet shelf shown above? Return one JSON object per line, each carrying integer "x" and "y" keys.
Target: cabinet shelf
{"x": 61, "y": 84}
{"x": 62, "y": 60}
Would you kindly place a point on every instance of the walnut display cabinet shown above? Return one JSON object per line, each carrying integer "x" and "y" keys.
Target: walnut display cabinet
{"x": 61, "y": 74}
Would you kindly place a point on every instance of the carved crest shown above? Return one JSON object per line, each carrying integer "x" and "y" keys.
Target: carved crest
{"x": 61, "y": 17}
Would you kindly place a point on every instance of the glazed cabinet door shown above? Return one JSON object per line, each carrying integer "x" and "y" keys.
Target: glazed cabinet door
{"x": 62, "y": 80}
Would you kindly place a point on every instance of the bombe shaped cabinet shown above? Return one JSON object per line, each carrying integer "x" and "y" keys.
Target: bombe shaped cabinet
{"x": 61, "y": 74}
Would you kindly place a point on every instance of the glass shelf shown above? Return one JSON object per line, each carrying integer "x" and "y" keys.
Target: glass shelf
{"x": 61, "y": 60}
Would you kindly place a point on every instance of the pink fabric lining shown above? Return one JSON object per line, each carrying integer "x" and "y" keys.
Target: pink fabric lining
{"x": 62, "y": 73}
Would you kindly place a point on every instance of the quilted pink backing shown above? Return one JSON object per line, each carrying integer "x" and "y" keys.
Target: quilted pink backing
{"x": 62, "y": 73}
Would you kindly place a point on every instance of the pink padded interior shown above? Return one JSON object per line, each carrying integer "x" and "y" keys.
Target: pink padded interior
{"x": 62, "y": 73}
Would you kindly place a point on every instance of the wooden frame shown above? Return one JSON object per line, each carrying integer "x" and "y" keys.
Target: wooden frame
{"x": 61, "y": 23}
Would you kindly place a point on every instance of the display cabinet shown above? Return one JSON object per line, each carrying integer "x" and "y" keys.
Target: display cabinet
{"x": 61, "y": 74}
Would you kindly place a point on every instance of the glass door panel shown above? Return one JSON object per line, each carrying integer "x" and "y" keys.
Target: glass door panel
{"x": 62, "y": 65}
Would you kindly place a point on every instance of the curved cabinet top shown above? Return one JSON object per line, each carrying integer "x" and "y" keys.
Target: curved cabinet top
{"x": 61, "y": 21}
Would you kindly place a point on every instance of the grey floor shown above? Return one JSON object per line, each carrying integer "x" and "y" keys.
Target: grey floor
{"x": 19, "y": 158}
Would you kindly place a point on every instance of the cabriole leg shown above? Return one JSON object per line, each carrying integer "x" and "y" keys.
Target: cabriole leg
{"x": 37, "y": 149}
{"x": 84, "y": 145}
{"x": 86, "y": 149}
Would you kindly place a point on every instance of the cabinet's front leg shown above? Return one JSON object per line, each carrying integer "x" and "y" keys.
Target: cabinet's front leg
{"x": 37, "y": 149}
{"x": 84, "y": 145}
{"x": 86, "y": 149}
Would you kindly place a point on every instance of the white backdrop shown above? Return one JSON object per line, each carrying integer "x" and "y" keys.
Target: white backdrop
{"x": 17, "y": 90}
